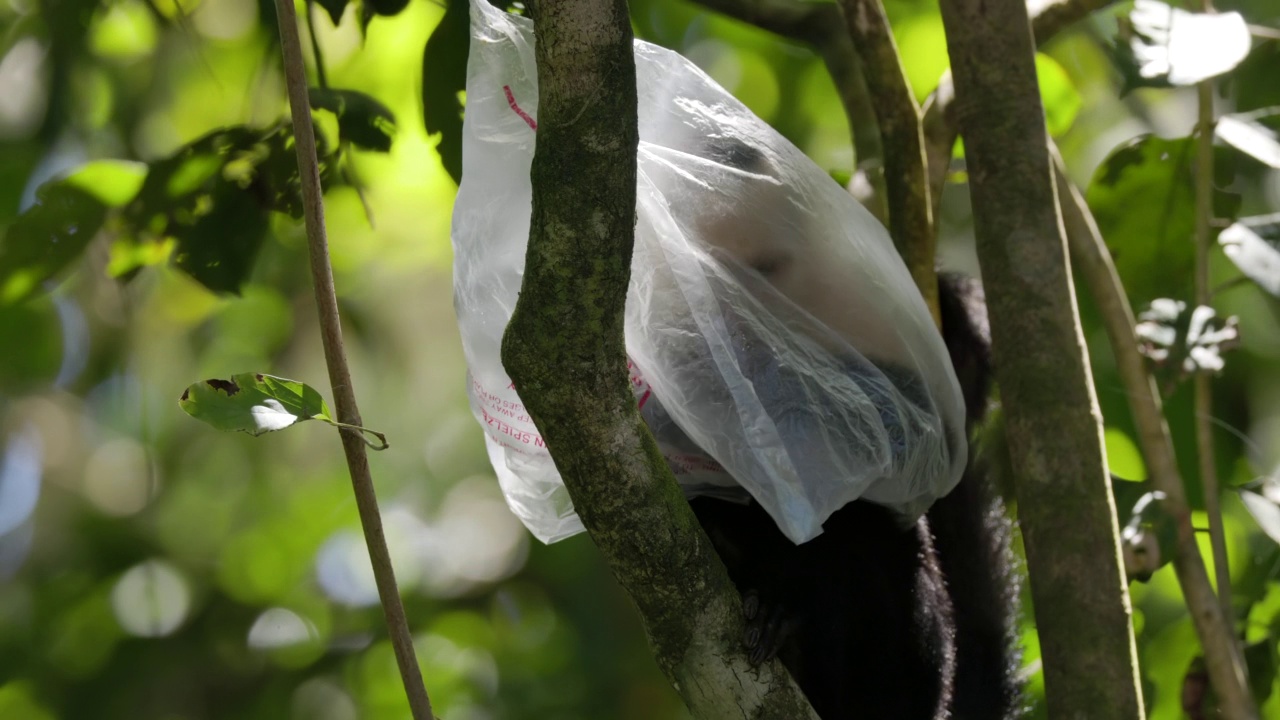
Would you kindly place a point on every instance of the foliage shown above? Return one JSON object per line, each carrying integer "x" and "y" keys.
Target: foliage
{"x": 149, "y": 568}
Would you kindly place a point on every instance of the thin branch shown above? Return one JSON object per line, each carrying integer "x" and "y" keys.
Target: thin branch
{"x": 1203, "y": 380}
{"x": 1091, "y": 258}
{"x": 344, "y": 398}
{"x": 898, "y": 115}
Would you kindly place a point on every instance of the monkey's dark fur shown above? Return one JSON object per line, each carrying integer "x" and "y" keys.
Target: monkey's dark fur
{"x": 880, "y": 622}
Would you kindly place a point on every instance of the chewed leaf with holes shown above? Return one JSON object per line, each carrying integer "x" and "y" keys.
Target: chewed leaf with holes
{"x": 1161, "y": 45}
{"x": 253, "y": 403}
{"x": 257, "y": 404}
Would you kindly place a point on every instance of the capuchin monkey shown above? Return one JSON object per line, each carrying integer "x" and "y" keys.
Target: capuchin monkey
{"x": 875, "y": 618}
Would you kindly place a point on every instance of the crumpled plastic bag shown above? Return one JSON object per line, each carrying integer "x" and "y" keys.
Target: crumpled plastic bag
{"x": 779, "y": 349}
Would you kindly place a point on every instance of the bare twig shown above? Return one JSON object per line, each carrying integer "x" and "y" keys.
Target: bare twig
{"x": 898, "y": 115}
{"x": 1203, "y": 380}
{"x": 344, "y": 398}
{"x": 1092, "y": 260}
{"x": 1065, "y": 506}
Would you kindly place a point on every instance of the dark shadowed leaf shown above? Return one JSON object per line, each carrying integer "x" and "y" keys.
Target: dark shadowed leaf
{"x": 1260, "y": 661}
{"x": 1253, "y": 244}
{"x": 335, "y": 8}
{"x": 1252, "y": 138}
{"x": 253, "y": 403}
{"x": 385, "y": 8}
{"x": 444, "y": 78}
{"x": 1160, "y": 45}
{"x": 46, "y": 238}
{"x": 1142, "y": 198}
{"x": 362, "y": 120}
{"x": 210, "y": 201}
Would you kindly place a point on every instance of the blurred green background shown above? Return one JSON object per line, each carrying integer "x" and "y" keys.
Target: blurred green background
{"x": 152, "y": 568}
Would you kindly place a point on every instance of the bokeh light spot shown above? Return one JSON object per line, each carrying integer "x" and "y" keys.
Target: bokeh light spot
{"x": 151, "y": 599}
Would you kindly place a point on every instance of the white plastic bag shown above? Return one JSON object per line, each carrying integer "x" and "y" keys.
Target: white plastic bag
{"x": 778, "y": 345}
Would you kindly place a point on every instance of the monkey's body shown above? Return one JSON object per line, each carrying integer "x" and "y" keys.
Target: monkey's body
{"x": 877, "y": 620}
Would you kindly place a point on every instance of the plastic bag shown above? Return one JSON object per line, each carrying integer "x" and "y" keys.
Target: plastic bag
{"x": 778, "y": 345}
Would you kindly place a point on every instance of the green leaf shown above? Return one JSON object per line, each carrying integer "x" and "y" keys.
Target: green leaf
{"x": 1143, "y": 199}
{"x": 362, "y": 120}
{"x": 113, "y": 182}
{"x": 1160, "y": 45}
{"x": 46, "y": 238}
{"x": 1253, "y": 244}
{"x": 253, "y": 403}
{"x": 444, "y": 79}
{"x": 1062, "y": 101}
{"x": 211, "y": 200}
{"x": 256, "y": 404}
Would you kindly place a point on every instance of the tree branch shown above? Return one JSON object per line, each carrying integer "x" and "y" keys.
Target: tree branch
{"x": 1065, "y": 505}
{"x": 898, "y": 116}
{"x": 344, "y": 397}
{"x": 565, "y": 351}
{"x": 1092, "y": 259}
{"x": 940, "y": 128}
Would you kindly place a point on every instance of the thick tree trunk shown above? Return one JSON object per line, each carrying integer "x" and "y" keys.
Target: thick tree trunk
{"x": 1065, "y": 505}
{"x": 564, "y": 350}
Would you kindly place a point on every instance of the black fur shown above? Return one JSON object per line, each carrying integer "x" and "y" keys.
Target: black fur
{"x": 875, "y": 620}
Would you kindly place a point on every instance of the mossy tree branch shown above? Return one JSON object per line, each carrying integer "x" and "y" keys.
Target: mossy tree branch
{"x": 564, "y": 350}
{"x": 1065, "y": 505}
{"x": 1092, "y": 259}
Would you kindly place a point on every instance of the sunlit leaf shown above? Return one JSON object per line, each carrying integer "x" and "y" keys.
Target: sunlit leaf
{"x": 1062, "y": 102}
{"x": 46, "y": 238}
{"x": 1253, "y": 244}
{"x": 253, "y": 403}
{"x": 1176, "y": 47}
{"x": 1264, "y": 511}
{"x": 362, "y": 120}
{"x": 113, "y": 182}
{"x": 444, "y": 78}
{"x": 1254, "y": 139}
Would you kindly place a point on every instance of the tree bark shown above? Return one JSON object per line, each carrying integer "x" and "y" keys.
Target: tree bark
{"x": 564, "y": 350}
{"x": 1065, "y": 505}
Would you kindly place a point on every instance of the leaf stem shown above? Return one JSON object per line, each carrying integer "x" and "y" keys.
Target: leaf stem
{"x": 344, "y": 399}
